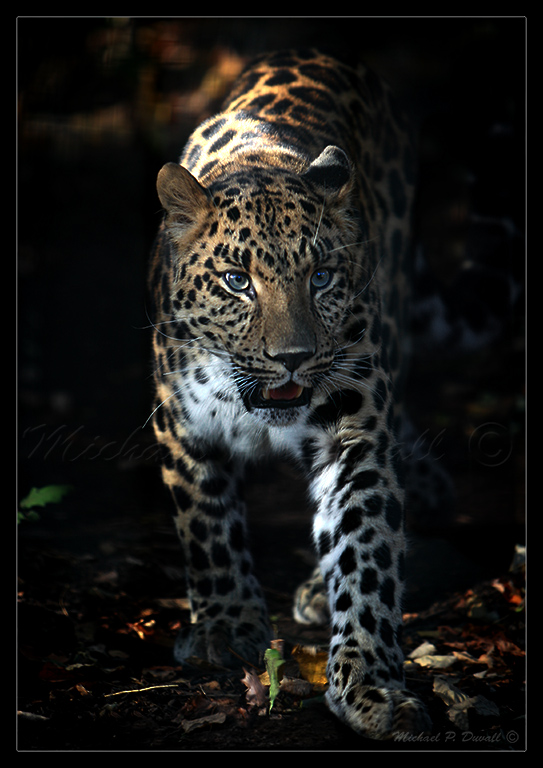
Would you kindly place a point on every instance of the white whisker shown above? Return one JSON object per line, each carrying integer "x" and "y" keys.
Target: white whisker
{"x": 369, "y": 281}
{"x": 148, "y": 419}
{"x": 352, "y": 245}
{"x": 318, "y": 225}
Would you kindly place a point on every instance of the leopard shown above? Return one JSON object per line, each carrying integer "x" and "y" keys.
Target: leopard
{"x": 279, "y": 285}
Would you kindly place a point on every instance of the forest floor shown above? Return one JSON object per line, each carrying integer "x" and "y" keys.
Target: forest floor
{"x": 100, "y": 607}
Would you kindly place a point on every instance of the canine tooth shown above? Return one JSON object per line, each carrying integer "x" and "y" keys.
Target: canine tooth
{"x": 266, "y": 394}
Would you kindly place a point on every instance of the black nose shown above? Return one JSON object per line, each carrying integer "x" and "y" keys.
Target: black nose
{"x": 293, "y": 360}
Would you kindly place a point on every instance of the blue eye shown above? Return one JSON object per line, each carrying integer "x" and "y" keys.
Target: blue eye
{"x": 321, "y": 278}
{"x": 237, "y": 281}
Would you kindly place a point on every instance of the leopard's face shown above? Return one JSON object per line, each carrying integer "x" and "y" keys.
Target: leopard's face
{"x": 263, "y": 278}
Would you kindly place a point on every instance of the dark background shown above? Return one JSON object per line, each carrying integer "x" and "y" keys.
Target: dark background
{"x": 102, "y": 104}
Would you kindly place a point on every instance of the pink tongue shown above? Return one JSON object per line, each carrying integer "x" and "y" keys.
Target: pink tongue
{"x": 288, "y": 391}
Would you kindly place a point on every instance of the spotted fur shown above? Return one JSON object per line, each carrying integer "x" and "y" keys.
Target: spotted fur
{"x": 279, "y": 281}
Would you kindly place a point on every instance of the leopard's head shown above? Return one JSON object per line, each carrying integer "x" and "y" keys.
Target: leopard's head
{"x": 264, "y": 273}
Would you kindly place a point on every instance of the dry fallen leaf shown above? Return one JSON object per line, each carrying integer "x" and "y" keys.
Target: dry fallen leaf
{"x": 424, "y": 649}
{"x": 436, "y": 661}
{"x": 459, "y": 703}
{"x": 256, "y": 693}
{"x": 296, "y": 686}
{"x": 459, "y": 713}
{"x": 191, "y": 725}
{"x": 312, "y": 664}
{"x": 448, "y": 692}
{"x": 467, "y": 657}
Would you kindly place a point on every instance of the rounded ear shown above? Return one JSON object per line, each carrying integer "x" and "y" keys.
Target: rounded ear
{"x": 181, "y": 195}
{"x": 331, "y": 171}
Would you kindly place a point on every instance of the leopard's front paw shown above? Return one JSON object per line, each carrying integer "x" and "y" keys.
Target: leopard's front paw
{"x": 311, "y": 601}
{"x": 379, "y": 712}
{"x": 223, "y": 642}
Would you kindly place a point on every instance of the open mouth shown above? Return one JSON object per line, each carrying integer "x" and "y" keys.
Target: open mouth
{"x": 290, "y": 395}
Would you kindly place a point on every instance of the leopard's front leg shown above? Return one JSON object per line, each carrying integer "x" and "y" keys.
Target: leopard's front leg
{"x": 229, "y": 622}
{"x": 359, "y": 534}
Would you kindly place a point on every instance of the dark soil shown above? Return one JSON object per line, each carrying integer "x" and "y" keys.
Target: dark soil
{"x": 103, "y": 103}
